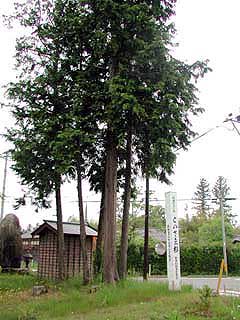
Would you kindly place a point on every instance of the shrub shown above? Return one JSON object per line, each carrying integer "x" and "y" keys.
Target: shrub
{"x": 194, "y": 259}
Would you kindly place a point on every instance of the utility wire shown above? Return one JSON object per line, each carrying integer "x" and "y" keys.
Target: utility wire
{"x": 235, "y": 127}
{"x": 157, "y": 200}
{"x": 204, "y": 134}
{"x": 5, "y": 155}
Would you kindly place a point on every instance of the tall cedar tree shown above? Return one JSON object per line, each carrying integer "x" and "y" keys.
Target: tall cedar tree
{"x": 221, "y": 190}
{"x": 96, "y": 175}
{"x": 126, "y": 202}
{"x": 125, "y": 36}
{"x": 65, "y": 28}
{"x": 120, "y": 57}
{"x": 39, "y": 104}
{"x": 40, "y": 101}
{"x": 202, "y": 198}
{"x": 80, "y": 130}
{"x": 163, "y": 93}
{"x": 129, "y": 27}
{"x": 68, "y": 89}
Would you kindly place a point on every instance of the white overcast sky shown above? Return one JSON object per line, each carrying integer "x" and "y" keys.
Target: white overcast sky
{"x": 206, "y": 29}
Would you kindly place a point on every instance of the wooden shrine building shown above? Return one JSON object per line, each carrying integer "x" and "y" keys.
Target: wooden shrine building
{"x": 47, "y": 260}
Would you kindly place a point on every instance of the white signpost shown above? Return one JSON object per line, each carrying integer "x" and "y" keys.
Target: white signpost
{"x": 173, "y": 248}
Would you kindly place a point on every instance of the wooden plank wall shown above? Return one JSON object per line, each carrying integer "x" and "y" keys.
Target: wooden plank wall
{"x": 47, "y": 267}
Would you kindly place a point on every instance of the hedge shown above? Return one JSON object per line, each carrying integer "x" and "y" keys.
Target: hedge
{"x": 194, "y": 260}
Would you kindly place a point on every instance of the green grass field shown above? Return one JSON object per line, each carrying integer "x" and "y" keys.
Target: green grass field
{"x": 127, "y": 301}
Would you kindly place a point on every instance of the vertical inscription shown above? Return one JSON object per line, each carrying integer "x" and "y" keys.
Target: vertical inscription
{"x": 173, "y": 248}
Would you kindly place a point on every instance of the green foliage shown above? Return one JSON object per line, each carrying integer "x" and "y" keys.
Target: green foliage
{"x": 136, "y": 216}
{"x": 189, "y": 230}
{"x": 84, "y": 68}
{"x": 207, "y": 259}
{"x": 156, "y": 219}
{"x": 16, "y": 283}
{"x": 135, "y": 257}
{"x": 221, "y": 190}
{"x": 195, "y": 259}
{"x": 202, "y": 198}
{"x": 205, "y": 294}
{"x": 128, "y": 300}
{"x": 211, "y": 231}
{"x": 87, "y": 72}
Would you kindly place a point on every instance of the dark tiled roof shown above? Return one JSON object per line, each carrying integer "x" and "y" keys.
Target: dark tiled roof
{"x": 236, "y": 239}
{"x": 154, "y": 233}
{"x": 68, "y": 228}
{"x": 26, "y": 235}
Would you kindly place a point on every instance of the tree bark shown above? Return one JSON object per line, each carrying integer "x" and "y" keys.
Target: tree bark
{"x": 99, "y": 245}
{"x": 85, "y": 262}
{"x": 60, "y": 235}
{"x": 109, "y": 256}
{"x": 146, "y": 231}
{"x": 126, "y": 207}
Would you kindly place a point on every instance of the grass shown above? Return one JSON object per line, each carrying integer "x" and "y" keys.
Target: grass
{"x": 14, "y": 282}
{"x": 128, "y": 300}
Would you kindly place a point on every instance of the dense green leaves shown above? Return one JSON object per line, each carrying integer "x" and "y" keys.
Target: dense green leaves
{"x": 202, "y": 198}
{"x": 195, "y": 260}
{"x": 211, "y": 232}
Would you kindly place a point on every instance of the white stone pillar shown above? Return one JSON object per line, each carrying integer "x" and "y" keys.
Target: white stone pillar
{"x": 173, "y": 247}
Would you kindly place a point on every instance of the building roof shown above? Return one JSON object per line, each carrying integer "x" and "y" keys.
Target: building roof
{"x": 26, "y": 235}
{"x": 154, "y": 233}
{"x": 68, "y": 228}
{"x": 236, "y": 239}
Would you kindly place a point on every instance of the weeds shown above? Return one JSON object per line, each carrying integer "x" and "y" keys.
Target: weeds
{"x": 205, "y": 295}
{"x": 129, "y": 300}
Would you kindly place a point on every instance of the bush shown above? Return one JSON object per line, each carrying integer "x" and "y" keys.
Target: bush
{"x": 205, "y": 294}
{"x": 194, "y": 259}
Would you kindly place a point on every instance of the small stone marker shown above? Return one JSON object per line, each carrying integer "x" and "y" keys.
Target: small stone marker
{"x": 93, "y": 289}
{"x": 38, "y": 290}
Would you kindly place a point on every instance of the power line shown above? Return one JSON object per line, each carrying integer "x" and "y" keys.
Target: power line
{"x": 5, "y": 155}
{"x": 235, "y": 127}
{"x": 204, "y": 134}
{"x": 158, "y": 200}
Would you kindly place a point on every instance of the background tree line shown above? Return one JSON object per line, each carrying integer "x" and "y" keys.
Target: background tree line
{"x": 200, "y": 233}
{"x": 204, "y": 226}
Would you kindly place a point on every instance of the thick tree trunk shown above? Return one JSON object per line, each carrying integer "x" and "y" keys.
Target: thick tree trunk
{"x": 60, "y": 235}
{"x": 126, "y": 207}
{"x": 146, "y": 231}
{"x": 84, "y": 255}
{"x": 109, "y": 256}
{"x": 99, "y": 245}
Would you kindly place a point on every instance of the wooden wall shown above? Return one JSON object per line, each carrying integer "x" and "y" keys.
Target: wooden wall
{"x": 47, "y": 266}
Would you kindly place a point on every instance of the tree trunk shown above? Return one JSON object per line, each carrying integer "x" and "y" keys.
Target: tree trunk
{"x": 109, "y": 255}
{"x": 60, "y": 235}
{"x": 84, "y": 255}
{"x": 99, "y": 245}
{"x": 146, "y": 231}
{"x": 126, "y": 207}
